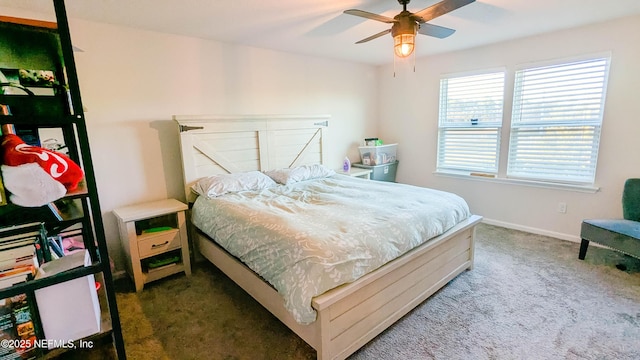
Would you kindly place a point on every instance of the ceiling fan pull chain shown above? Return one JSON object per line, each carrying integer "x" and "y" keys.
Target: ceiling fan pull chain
{"x": 414, "y": 62}
{"x": 394, "y": 66}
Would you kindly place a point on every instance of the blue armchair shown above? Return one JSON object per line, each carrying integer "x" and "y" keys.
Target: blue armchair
{"x": 619, "y": 234}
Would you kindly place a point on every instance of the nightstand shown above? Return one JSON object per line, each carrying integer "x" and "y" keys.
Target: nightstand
{"x": 154, "y": 238}
{"x": 355, "y": 172}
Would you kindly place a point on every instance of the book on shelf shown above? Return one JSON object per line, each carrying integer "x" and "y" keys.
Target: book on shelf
{"x": 7, "y": 329}
{"x": 23, "y": 240}
{"x": 18, "y": 262}
{"x": 21, "y": 230}
{"x": 17, "y": 252}
{"x": 3, "y": 193}
{"x": 17, "y": 243}
{"x": 11, "y": 280}
{"x": 17, "y": 265}
{"x": 66, "y": 243}
{"x": 18, "y": 323}
{"x": 20, "y": 253}
{"x": 5, "y": 110}
{"x": 29, "y": 269}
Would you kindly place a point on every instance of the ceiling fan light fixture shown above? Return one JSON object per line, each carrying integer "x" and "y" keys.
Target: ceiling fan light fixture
{"x": 404, "y": 32}
{"x": 403, "y": 44}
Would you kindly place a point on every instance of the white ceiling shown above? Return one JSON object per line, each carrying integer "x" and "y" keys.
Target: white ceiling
{"x": 319, "y": 28}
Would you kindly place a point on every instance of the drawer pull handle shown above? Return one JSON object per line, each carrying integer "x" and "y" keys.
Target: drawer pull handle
{"x": 159, "y": 245}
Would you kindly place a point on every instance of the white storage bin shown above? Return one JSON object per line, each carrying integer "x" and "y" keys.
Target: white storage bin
{"x": 69, "y": 310}
{"x": 378, "y": 155}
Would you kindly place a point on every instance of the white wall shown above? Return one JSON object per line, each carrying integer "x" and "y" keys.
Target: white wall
{"x": 409, "y": 116}
{"x": 133, "y": 81}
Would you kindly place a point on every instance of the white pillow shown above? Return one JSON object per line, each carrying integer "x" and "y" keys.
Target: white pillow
{"x": 300, "y": 173}
{"x": 217, "y": 185}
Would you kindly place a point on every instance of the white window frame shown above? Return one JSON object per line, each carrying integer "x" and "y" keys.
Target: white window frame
{"x": 507, "y": 175}
{"x": 547, "y": 107}
{"x": 465, "y": 145}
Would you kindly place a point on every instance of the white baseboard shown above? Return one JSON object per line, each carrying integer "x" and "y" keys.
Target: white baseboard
{"x": 533, "y": 230}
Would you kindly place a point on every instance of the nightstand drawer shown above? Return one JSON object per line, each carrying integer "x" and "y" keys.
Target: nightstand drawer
{"x": 153, "y": 244}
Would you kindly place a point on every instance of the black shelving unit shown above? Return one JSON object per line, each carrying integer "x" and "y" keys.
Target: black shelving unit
{"x": 27, "y": 44}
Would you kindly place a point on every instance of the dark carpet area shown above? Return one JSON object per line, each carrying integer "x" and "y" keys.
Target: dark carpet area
{"x": 528, "y": 297}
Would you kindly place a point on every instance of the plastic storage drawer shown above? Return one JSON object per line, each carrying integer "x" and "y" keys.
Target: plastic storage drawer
{"x": 385, "y": 172}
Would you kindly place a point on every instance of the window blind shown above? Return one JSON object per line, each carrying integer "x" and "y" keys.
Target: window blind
{"x": 470, "y": 119}
{"x": 556, "y": 121}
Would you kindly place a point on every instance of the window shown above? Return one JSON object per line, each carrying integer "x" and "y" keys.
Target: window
{"x": 555, "y": 124}
{"x": 470, "y": 121}
{"x": 556, "y": 121}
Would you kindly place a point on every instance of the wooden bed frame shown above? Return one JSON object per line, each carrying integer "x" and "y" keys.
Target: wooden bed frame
{"x": 350, "y": 315}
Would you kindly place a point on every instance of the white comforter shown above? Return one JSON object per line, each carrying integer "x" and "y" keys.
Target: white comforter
{"x": 315, "y": 235}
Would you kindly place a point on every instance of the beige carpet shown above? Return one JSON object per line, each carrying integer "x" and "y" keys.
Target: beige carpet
{"x": 528, "y": 297}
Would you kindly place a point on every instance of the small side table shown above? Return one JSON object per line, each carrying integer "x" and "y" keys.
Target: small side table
{"x": 356, "y": 172}
{"x": 154, "y": 238}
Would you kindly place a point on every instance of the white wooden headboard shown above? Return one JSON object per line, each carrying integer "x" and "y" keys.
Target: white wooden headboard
{"x": 219, "y": 144}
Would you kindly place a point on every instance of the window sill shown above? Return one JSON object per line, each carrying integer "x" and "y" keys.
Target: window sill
{"x": 531, "y": 183}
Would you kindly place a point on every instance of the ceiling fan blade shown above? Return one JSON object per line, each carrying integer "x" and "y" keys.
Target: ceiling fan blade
{"x": 434, "y": 30}
{"x": 439, "y": 9}
{"x": 374, "y": 36}
{"x": 368, "y": 15}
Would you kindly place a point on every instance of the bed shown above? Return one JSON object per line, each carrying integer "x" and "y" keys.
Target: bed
{"x": 341, "y": 319}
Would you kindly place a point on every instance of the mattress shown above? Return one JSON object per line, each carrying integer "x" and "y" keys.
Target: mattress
{"x": 315, "y": 235}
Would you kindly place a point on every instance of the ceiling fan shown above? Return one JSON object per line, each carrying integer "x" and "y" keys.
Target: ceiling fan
{"x": 406, "y": 24}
